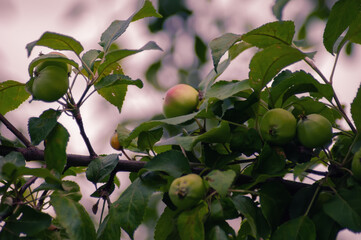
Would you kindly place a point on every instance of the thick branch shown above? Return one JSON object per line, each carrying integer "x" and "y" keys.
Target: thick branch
{"x": 74, "y": 160}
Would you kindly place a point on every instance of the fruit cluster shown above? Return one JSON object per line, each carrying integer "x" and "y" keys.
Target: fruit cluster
{"x": 279, "y": 126}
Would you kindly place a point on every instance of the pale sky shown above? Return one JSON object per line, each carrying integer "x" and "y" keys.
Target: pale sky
{"x": 22, "y": 22}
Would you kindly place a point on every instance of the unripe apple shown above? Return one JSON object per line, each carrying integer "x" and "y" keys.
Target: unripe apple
{"x": 278, "y": 126}
{"x": 185, "y": 192}
{"x": 114, "y": 142}
{"x": 42, "y": 65}
{"x": 180, "y": 100}
{"x": 51, "y": 84}
{"x": 356, "y": 165}
{"x": 314, "y": 130}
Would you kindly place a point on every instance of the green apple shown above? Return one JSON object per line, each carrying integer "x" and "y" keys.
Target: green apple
{"x": 185, "y": 192}
{"x": 314, "y": 130}
{"x": 356, "y": 165}
{"x": 51, "y": 84}
{"x": 278, "y": 126}
{"x": 180, "y": 100}
{"x": 42, "y": 65}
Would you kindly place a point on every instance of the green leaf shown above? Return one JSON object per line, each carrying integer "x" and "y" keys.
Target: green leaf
{"x": 55, "y": 148}
{"x": 224, "y": 89}
{"x": 110, "y": 227}
{"x": 217, "y": 233}
{"x": 146, "y": 126}
{"x": 287, "y": 84}
{"x": 245, "y": 231}
{"x": 51, "y": 57}
{"x": 151, "y": 74}
{"x": 129, "y": 209}
{"x": 39, "y": 128}
{"x": 89, "y": 58}
{"x": 269, "y": 161}
{"x": 70, "y": 190}
{"x": 326, "y": 227}
{"x": 118, "y": 27}
{"x": 296, "y": 229}
{"x": 12, "y": 94}
{"x": 274, "y": 33}
{"x": 146, "y": 11}
{"x": 237, "y": 49}
{"x": 123, "y": 134}
{"x": 165, "y": 224}
{"x": 219, "y": 46}
{"x": 246, "y": 141}
{"x": 342, "y": 14}
{"x": 253, "y": 214}
{"x": 219, "y": 134}
{"x": 73, "y": 217}
{"x": 172, "y": 162}
{"x": 345, "y": 208}
{"x": 221, "y": 181}
{"x": 208, "y": 81}
{"x": 116, "y": 55}
{"x": 274, "y": 199}
{"x": 356, "y": 109}
{"x": 46, "y": 174}
{"x": 56, "y": 41}
{"x": 147, "y": 139}
{"x": 190, "y": 223}
{"x": 116, "y": 79}
{"x": 270, "y": 61}
{"x": 27, "y": 221}
{"x": 9, "y": 165}
{"x": 278, "y": 7}
{"x": 113, "y": 32}
{"x": 354, "y": 32}
{"x": 200, "y": 49}
{"x": 114, "y": 94}
{"x": 100, "y": 168}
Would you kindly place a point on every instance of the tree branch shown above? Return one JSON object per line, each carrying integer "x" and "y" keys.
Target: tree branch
{"x": 15, "y": 131}
{"x": 79, "y": 121}
{"x": 74, "y": 160}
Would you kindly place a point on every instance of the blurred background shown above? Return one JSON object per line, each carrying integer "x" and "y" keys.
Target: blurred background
{"x": 183, "y": 33}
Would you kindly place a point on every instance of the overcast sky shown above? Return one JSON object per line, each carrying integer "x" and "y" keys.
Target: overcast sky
{"x": 22, "y": 22}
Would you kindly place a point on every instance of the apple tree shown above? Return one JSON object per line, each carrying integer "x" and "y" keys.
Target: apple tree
{"x": 224, "y": 150}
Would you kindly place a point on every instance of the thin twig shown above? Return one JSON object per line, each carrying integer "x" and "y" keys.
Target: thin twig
{"x": 338, "y": 103}
{"x": 27, "y": 184}
{"x": 15, "y": 131}
{"x": 79, "y": 121}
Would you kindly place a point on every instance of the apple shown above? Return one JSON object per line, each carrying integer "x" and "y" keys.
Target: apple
{"x": 185, "y": 192}
{"x": 356, "y": 165}
{"x": 51, "y": 84}
{"x": 114, "y": 142}
{"x": 49, "y": 62}
{"x": 179, "y": 100}
{"x": 278, "y": 126}
{"x": 314, "y": 130}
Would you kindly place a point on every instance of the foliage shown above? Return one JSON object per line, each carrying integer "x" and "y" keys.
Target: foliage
{"x": 247, "y": 177}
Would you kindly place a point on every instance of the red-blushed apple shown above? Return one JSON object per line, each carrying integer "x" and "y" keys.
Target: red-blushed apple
{"x": 180, "y": 100}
